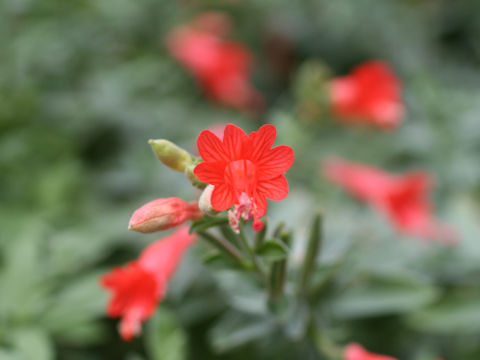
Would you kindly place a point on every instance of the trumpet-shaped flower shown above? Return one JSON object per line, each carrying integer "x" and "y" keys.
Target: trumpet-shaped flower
{"x": 221, "y": 67}
{"x": 404, "y": 199}
{"x": 244, "y": 169}
{"x": 371, "y": 93}
{"x": 138, "y": 287}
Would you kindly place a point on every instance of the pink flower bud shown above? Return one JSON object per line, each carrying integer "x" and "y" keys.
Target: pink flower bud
{"x": 162, "y": 214}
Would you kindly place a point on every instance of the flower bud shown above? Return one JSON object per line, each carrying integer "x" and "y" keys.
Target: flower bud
{"x": 311, "y": 91}
{"x": 162, "y": 214}
{"x": 205, "y": 201}
{"x": 171, "y": 155}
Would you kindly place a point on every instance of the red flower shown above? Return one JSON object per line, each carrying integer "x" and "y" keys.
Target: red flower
{"x": 138, "y": 287}
{"x": 403, "y": 198}
{"x": 370, "y": 94}
{"x": 357, "y": 352}
{"x": 162, "y": 214}
{"x": 221, "y": 67}
{"x": 244, "y": 170}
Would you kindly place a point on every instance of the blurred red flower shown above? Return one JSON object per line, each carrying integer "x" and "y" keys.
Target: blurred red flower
{"x": 403, "y": 198}
{"x": 357, "y": 352}
{"x": 221, "y": 67}
{"x": 218, "y": 129}
{"x": 371, "y": 93}
{"x": 138, "y": 287}
{"x": 244, "y": 170}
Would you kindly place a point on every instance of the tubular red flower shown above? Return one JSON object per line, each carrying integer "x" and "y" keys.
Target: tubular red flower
{"x": 135, "y": 295}
{"x": 221, "y": 67}
{"x": 370, "y": 94}
{"x": 357, "y": 352}
{"x": 244, "y": 170}
{"x": 138, "y": 287}
{"x": 404, "y": 199}
{"x": 162, "y": 214}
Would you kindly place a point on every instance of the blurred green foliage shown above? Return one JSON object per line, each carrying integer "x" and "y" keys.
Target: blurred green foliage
{"x": 84, "y": 85}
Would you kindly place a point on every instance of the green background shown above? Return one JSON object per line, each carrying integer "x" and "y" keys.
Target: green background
{"x": 85, "y": 83}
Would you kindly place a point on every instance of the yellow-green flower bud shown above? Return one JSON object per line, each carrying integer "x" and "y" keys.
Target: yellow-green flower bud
{"x": 171, "y": 155}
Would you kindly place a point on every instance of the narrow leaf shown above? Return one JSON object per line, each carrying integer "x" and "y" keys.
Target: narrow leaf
{"x": 273, "y": 251}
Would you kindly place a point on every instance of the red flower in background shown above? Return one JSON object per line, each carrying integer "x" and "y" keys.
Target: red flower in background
{"x": 218, "y": 129}
{"x": 357, "y": 352}
{"x": 403, "y": 198}
{"x": 370, "y": 94}
{"x": 221, "y": 67}
{"x": 138, "y": 287}
{"x": 244, "y": 170}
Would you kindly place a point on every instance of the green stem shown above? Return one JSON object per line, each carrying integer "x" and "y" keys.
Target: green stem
{"x": 228, "y": 234}
{"x": 225, "y": 247}
{"x": 279, "y": 229}
{"x": 311, "y": 253}
{"x": 277, "y": 279}
{"x": 278, "y": 273}
{"x": 256, "y": 263}
{"x": 260, "y": 237}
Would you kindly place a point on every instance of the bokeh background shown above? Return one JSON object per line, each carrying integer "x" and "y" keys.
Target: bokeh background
{"x": 85, "y": 83}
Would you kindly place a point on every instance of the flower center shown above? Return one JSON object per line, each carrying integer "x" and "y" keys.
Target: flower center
{"x": 242, "y": 174}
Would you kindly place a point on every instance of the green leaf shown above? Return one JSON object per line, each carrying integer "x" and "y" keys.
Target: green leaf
{"x": 76, "y": 305}
{"x": 243, "y": 292}
{"x": 380, "y": 297}
{"x": 217, "y": 260}
{"x": 10, "y": 355}
{"x": 23, "y": 273}
{"x": 323, "y": 275}
{"x": 236, "y": 329}
{"x": 202, "y": 307}
{"x": 273, "y": 251}
{"x": 33, "y": 344}
{"x": 297, "y": 319}
{"x": 165, "y": 338}
{"x": 457, "y": 313}
{"x": 208, "y": 222}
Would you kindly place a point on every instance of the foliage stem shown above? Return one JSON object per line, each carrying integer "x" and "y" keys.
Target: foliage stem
{"x": 256, "y": 263}
{"x": 224, "y": 246}
{"x": 311, "y": 253}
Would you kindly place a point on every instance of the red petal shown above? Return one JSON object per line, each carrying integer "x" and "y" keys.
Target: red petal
{"x": 371, "y": 93}
{"x": 134, "y": 291}
{"x": 260, "y": 205}
{"x": 210, "y": 147}
{"x": 274, "y": 189}
{"x": 163, "y": 256}
{"x": 357, "y": 352}
{"x": 418, "y": 181}
{"x": 275, "y": 162}
{"x": 261, "y": 141}
{"x": 211, "y": 172}
{"x": 233, "y": 141}
{"x": 365, "y": 182}
{"x": 222, "y": 197}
